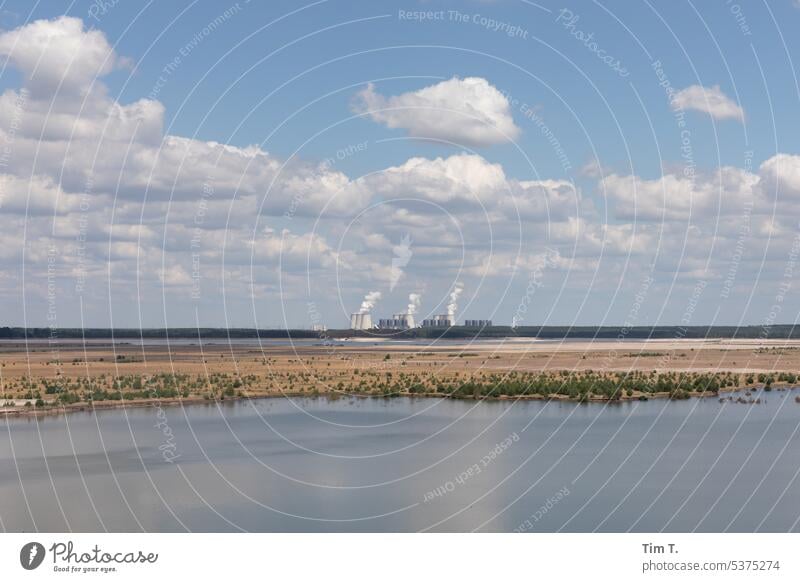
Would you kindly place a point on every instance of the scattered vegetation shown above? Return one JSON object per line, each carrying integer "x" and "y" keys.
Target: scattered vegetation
{"x": 441, "y": 373}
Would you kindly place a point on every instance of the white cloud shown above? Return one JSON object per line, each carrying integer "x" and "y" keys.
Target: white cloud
{"x": 80, "y": 138}
{"x": 710, "y": 196}
{"x": 709, "y": 100}
{"x": 71, "y": 150}
{"x": 466, "y": 111}
{"x": 781, "y": 175}
{"x": 677, "y": 197}
{"x": 91, "y": 118}
{"x": 468, "y": 214}
{"x": 36, "y": 195}
{"x": 542, "y": 200}
{"x": 59, "y": 54}
{"x": 468, "y": 183}
{"x": 464, "y": 178}
{"x": 292, "y": 250}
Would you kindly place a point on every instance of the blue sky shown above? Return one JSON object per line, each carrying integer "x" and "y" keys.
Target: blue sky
{"x": 676, "y": 159}
{"x": 541, "y": 70}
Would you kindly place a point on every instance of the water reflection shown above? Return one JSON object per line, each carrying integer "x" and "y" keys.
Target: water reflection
{"x": 407, "y": 465}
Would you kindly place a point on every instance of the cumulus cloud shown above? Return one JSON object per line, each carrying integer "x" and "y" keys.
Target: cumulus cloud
{"x": 72, "y": 150}
{"x": 66, "y": 127}
{"x": 542, "y": 200}
{"x": 674, "y": 196}
{"x": 34, "y": 196}
{"x": 709, "y": 100}
{"x": 712, "y": 195}
{"x": 781, "y": 176}
{"x": 466, "y": 111}
{"x": 292, "y": 250}
{"x": 81, "y": 164}
{"x": 59, "y": 54}
{"x": 469, "y": 183}
{"x": 76, "y": 149}
{"x": 464, "y": 178}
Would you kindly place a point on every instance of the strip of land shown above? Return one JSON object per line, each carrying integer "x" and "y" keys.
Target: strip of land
{"x": 53, "y": 376}
{"x": 589, "y": 332}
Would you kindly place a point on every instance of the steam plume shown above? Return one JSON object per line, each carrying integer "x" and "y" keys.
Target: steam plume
{"x": 370, "y": 299}
{"x": 452, "y": 307}
{"x": 414, "y": 301}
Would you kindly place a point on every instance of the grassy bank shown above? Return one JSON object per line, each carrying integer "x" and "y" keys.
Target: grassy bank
{"x": 50, "y": 395}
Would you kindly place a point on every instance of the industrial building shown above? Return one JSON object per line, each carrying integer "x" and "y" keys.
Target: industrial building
{"x": 360, "y": 321}
{"x": 478, "y": 322}
{"x": 398, "y": 321}
{"x": 442, "y": 320}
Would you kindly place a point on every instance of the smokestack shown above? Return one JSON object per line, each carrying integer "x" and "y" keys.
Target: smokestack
{"x": 370, "y": 299}
{"x": 414, "y": 301}
{"x": 452, "y": 307}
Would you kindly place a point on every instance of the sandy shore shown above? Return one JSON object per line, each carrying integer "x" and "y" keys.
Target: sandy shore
{"x": 247, "y": 370}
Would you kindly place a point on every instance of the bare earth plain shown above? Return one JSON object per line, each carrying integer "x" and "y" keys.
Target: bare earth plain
{"x": 54, "y": 376}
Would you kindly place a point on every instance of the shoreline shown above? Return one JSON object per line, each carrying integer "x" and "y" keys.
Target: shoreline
{"x": 37, "y": 381}
{"x": 24, "y": 412}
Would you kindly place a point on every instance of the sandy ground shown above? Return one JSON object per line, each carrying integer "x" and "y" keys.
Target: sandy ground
{"x": 41, "y": 360}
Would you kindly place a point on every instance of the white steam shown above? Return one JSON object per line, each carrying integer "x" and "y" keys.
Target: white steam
{"x": 370, "y": 299}
{"x": 452, "y": 307}
{"x": 414, "y": 301}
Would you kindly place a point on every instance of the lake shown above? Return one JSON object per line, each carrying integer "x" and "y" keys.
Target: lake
{"x": 386, "y": 465}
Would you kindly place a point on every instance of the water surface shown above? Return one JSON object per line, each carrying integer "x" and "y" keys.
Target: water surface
{"x": 407, "y": 465}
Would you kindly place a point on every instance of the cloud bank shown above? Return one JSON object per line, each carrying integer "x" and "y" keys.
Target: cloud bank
{"x": 145, "y": 216}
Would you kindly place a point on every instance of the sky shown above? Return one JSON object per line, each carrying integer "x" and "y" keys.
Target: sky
{"x": 285, "y": 164}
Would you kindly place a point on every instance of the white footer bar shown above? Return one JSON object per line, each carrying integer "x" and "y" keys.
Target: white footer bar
{"x": 401, "y": 557}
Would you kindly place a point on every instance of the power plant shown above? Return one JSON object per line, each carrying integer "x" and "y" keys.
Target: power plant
{"x": 362, "y": 319}
{"x": 442, "y": 320}
{"x": 398, "y": 321}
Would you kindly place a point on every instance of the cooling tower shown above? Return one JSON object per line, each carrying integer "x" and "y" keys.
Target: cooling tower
{"x": 360, "y": 321}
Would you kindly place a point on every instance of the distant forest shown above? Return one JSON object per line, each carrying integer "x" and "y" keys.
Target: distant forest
{"x": 456, "y": 332}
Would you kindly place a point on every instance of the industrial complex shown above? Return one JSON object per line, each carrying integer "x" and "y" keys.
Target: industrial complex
{"x": 362, "y": 319}
{"x": 403, "y": 321}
